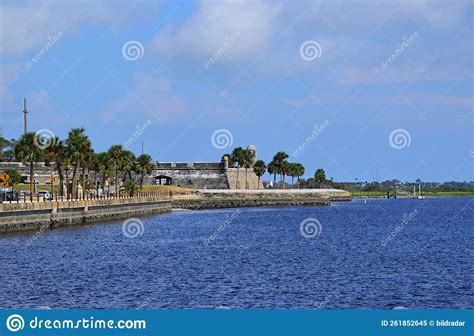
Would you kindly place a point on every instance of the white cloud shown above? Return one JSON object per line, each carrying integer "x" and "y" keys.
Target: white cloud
{"x": 27, "y": 24}
{"x": 214, "y": 22}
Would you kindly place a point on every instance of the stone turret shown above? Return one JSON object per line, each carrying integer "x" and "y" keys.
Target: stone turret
{"x": 225, "y": 160}
{"x": 253, "y": 150}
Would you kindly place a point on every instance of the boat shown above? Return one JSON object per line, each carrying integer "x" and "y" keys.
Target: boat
{"x": 420, "y": 195}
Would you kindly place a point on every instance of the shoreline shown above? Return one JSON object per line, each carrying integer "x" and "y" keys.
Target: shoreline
{"x": 17, "y": 217}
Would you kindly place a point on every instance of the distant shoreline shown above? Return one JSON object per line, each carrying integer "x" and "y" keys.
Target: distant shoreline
{"x": 380, "y": 194}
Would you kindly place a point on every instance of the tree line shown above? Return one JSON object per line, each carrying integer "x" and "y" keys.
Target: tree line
{"x": 74, "y": 159}
{"x": 279, "y": 166}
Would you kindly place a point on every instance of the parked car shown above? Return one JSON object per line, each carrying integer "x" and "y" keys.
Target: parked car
{"x": 6, "y": 195}
{"x": 45, "y": 194}
{"x": 23, "y": 194}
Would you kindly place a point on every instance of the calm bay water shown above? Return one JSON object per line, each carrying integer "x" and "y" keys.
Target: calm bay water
{"x": 253, "y": 258}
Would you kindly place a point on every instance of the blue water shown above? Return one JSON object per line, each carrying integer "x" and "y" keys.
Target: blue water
{"x": 259, "y": 259}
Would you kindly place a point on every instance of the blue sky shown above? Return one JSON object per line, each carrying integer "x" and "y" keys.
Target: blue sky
{"x": 386, "y": 94}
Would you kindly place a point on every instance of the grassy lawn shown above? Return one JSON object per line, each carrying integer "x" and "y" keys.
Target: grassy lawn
{"x": 425, "y": 193}
{"x": 165, "y": 188}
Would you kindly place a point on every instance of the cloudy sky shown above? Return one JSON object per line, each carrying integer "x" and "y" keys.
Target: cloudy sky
{"x": 365, "y": 89}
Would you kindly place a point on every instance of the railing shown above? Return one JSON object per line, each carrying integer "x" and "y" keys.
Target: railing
{"x": 94, "y": 196}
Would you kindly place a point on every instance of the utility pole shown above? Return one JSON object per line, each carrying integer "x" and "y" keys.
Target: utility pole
{"x": 142, "y": 147}
{"x": 25, "y": 116}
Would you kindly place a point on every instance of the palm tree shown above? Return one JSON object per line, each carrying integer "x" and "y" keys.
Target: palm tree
{"x": 131, "y": 187}
{"x": 259, "y": 169}
{"x": 87, "y": 164}
{"x": 279, "y": 160}
{"x": 28, "y": 152}
{"x": 237, "y": 157}
{"x": 272, "y": 170}
{"x": 127, "y": 163}
{"x": 96, "y": 166}
{"x": 299, "y": 171}
{"x": 291, "y": 171}
{"x": 285, "y": 170}
{"x": 104, "y": 166}
{"x": 78, "y": 147}
{"x": 320, "y": 177}
{"x": 57, "y": 152}
{"x": 67, "y": 164}
{"x": 116, "y": 153}
{"x": 247, "y": 160}
{"x": 144, "y": 166}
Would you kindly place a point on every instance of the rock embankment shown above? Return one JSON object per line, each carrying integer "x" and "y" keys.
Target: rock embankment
{"x": 212, "y": 199}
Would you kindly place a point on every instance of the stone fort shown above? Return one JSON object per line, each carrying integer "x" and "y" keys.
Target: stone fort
{"x": 199, "y": 175}
{"x": 206, "y": 175}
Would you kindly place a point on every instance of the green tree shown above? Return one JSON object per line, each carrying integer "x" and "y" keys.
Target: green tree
{"x": 285, "y": 170}
{"x": 7, "y": 152}
{"x": 78, "y": 147}
{"x": 144, "y": 166}
{"x": 291, "y": 172}
{"x": 272, "y": 170}
{"x": 280, "y": 164}
{"x": 320, "y": 177}
{"x": 259, "y": 169}
{"x": 27, "y": 151}
{"x": 116, "y": 153}
{"x": 298, "y": 171}
{"x": 131, "y": 187}
{"x": 127, "y": 164}
{"x": 237, "y": 158}
{"x": 104, "y": 165}
{"x": 247, "y": 160}
{"x": 14, "y": 177}
{"x": 56, "y": 152}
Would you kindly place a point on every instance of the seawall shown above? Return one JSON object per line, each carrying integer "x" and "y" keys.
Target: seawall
{"x": 48, "y": 215}
{"x": 213, "y": 199}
